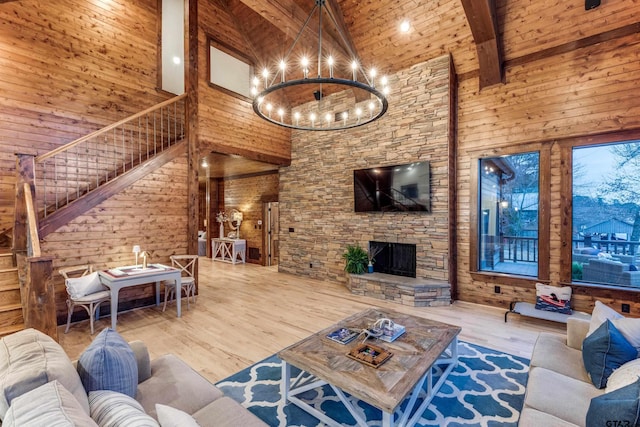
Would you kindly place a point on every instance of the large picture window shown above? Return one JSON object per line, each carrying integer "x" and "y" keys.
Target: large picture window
{"x": 508, "y": 214}
{"x": 605, "y": 232}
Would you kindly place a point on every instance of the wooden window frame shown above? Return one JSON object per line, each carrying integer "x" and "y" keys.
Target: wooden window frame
{"x": 211, "y": 41}
{"x": 566, "y": 188}
{"x": 544, "y": 231}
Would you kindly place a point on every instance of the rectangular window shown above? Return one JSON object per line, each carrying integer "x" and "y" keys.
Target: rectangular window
{"x": 508, "y": 210}
{"x": 172, "y": 46}
{"x": 229, "y": 70}
{"x": 606, "y": 214}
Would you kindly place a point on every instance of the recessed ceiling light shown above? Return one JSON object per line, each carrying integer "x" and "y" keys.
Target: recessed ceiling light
{"x": 405, "y": 26}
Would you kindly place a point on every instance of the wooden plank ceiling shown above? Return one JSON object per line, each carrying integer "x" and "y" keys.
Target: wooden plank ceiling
{"x": 516, "y": 28}
{"x": 483, "y": 36}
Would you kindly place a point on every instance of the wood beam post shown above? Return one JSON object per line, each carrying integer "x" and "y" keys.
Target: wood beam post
{"x": 191, "y": 111}
{"x": 481, "y": 15}
{"x": 37, "y": 293}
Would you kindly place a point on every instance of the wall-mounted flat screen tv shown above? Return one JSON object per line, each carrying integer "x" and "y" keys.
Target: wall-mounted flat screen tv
{"x": 398, "y": 188}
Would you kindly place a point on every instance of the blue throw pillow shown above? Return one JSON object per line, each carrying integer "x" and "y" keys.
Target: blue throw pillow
{"x": 605, "y": 350}
{"x": 109, "y": 364}
{"x": 621, "y": 407}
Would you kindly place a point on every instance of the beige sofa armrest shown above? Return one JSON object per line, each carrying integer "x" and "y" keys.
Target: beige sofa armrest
{"x": 142, "y": 357}
{"x": 576, "y": 332}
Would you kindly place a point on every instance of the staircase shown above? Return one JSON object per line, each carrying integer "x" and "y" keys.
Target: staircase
{"x": 73, "y": 179}
{"x": 11, "y": 319}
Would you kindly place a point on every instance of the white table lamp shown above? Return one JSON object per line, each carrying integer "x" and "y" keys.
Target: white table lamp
{"x": 136, "y": 250}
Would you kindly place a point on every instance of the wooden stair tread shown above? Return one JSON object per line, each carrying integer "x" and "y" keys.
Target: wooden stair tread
{"x": 8, "y": 270}
{"x": 11, "y": 287}
{"x": 10, "y": 307}
{"x": 7, "y": 330}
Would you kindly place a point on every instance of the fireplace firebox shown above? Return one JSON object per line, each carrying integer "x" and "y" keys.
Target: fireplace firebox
{"x": 394, "y": 258}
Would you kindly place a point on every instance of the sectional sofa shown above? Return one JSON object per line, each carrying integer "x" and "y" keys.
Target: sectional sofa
{"x": 589, "y": 378}
{"x": 41, "y": 386}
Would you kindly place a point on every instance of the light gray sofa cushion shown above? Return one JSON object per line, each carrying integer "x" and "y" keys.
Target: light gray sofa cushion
{"x": 29, "y": 359}
{"x": 559, "y": 395}
{"x": 48, "y": 405}
{"x": 226, "y": 412}
{"x": 551, "y": 352}
{"x": 533, "y": 418}
{"x": 176, "y": 384}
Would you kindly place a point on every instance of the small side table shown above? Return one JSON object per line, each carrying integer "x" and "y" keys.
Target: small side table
{"x": 228, "y": 250}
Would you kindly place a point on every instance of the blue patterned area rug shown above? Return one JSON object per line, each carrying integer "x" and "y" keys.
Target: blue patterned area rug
{"x": 485, "y": 389}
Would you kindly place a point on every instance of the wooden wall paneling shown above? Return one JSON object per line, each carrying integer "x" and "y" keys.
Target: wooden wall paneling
{"x": 583, "y": 93}
{"x": 246, "y": 194}
{"x": 150, "y": 213}
{"x": 69, "y": 68}
{"x": 529, "y": 27}
{"x": 228, "y": 124}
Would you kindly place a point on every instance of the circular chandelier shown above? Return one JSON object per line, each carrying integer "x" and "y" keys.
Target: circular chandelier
{"x": 334, "y": 101}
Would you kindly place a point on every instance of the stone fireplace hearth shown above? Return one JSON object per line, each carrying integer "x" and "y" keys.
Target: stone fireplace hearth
{"x": 394, "y": 278}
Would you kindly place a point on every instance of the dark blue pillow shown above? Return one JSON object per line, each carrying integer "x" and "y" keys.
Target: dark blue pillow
{"x": 633, "y": 267}
{"x": 621, "y": 405}
{"x": 605, "y": 350}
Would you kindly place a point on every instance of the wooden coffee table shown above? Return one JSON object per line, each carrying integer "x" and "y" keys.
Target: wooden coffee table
{"x": 407, "y": 374}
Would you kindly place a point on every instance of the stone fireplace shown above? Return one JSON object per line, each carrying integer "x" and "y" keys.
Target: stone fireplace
{"x": 394, "y": 278}
{"x": 398, "y": 259}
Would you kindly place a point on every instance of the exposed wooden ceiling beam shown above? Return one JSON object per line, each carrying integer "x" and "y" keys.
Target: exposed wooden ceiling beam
{"x": 288, "y": 17}
{"x": 481, "y": 15}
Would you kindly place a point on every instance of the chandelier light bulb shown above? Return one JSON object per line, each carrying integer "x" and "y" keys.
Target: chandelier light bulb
{"x": 384, "y": 80}
{"x": 305, "y": 66}
{"x": 254, "y": 90}
{"x": 283, "y": 65}
{"x": 354, "y": 68}
{"x": 312, "y": 117}
{"x": 265, "y": 74}
{"x": 330, "y": 63}
{"x": 373, "y": 73}
{"x": 297, "y": 117}
{"x": 345, "y": 116}
{"x": 269, "y": 108}
{"x": 385, "y": 90}
{"x": 358, "y": 112}
{"x": 327, "y": 117}
{"x": 256, "y": 81}
{"x": 281, "y": 113}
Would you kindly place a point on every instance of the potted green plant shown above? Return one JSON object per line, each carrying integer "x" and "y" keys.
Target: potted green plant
{"x": 356, "y": 259}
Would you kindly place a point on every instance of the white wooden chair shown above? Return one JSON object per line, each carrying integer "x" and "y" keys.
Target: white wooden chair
{"x": 187, "y": 266}
{"x": 84, "y": 289}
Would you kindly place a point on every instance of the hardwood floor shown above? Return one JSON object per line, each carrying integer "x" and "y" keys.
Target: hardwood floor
{"x": 246, "y": 313}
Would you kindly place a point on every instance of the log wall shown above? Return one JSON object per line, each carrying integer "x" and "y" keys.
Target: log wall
{"x": 589, "y": 91}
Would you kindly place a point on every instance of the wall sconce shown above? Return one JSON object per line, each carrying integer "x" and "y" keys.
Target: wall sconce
{"x": 136, "y": 250}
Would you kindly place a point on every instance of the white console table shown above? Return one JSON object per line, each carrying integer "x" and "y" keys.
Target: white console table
{"x": 229, "y": 250}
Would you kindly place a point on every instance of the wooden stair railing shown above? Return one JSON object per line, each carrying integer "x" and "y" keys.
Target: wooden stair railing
{"x": 35, "y": 272}
{"x": 72, "y": 179}
{"x": 79, "y": 167}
